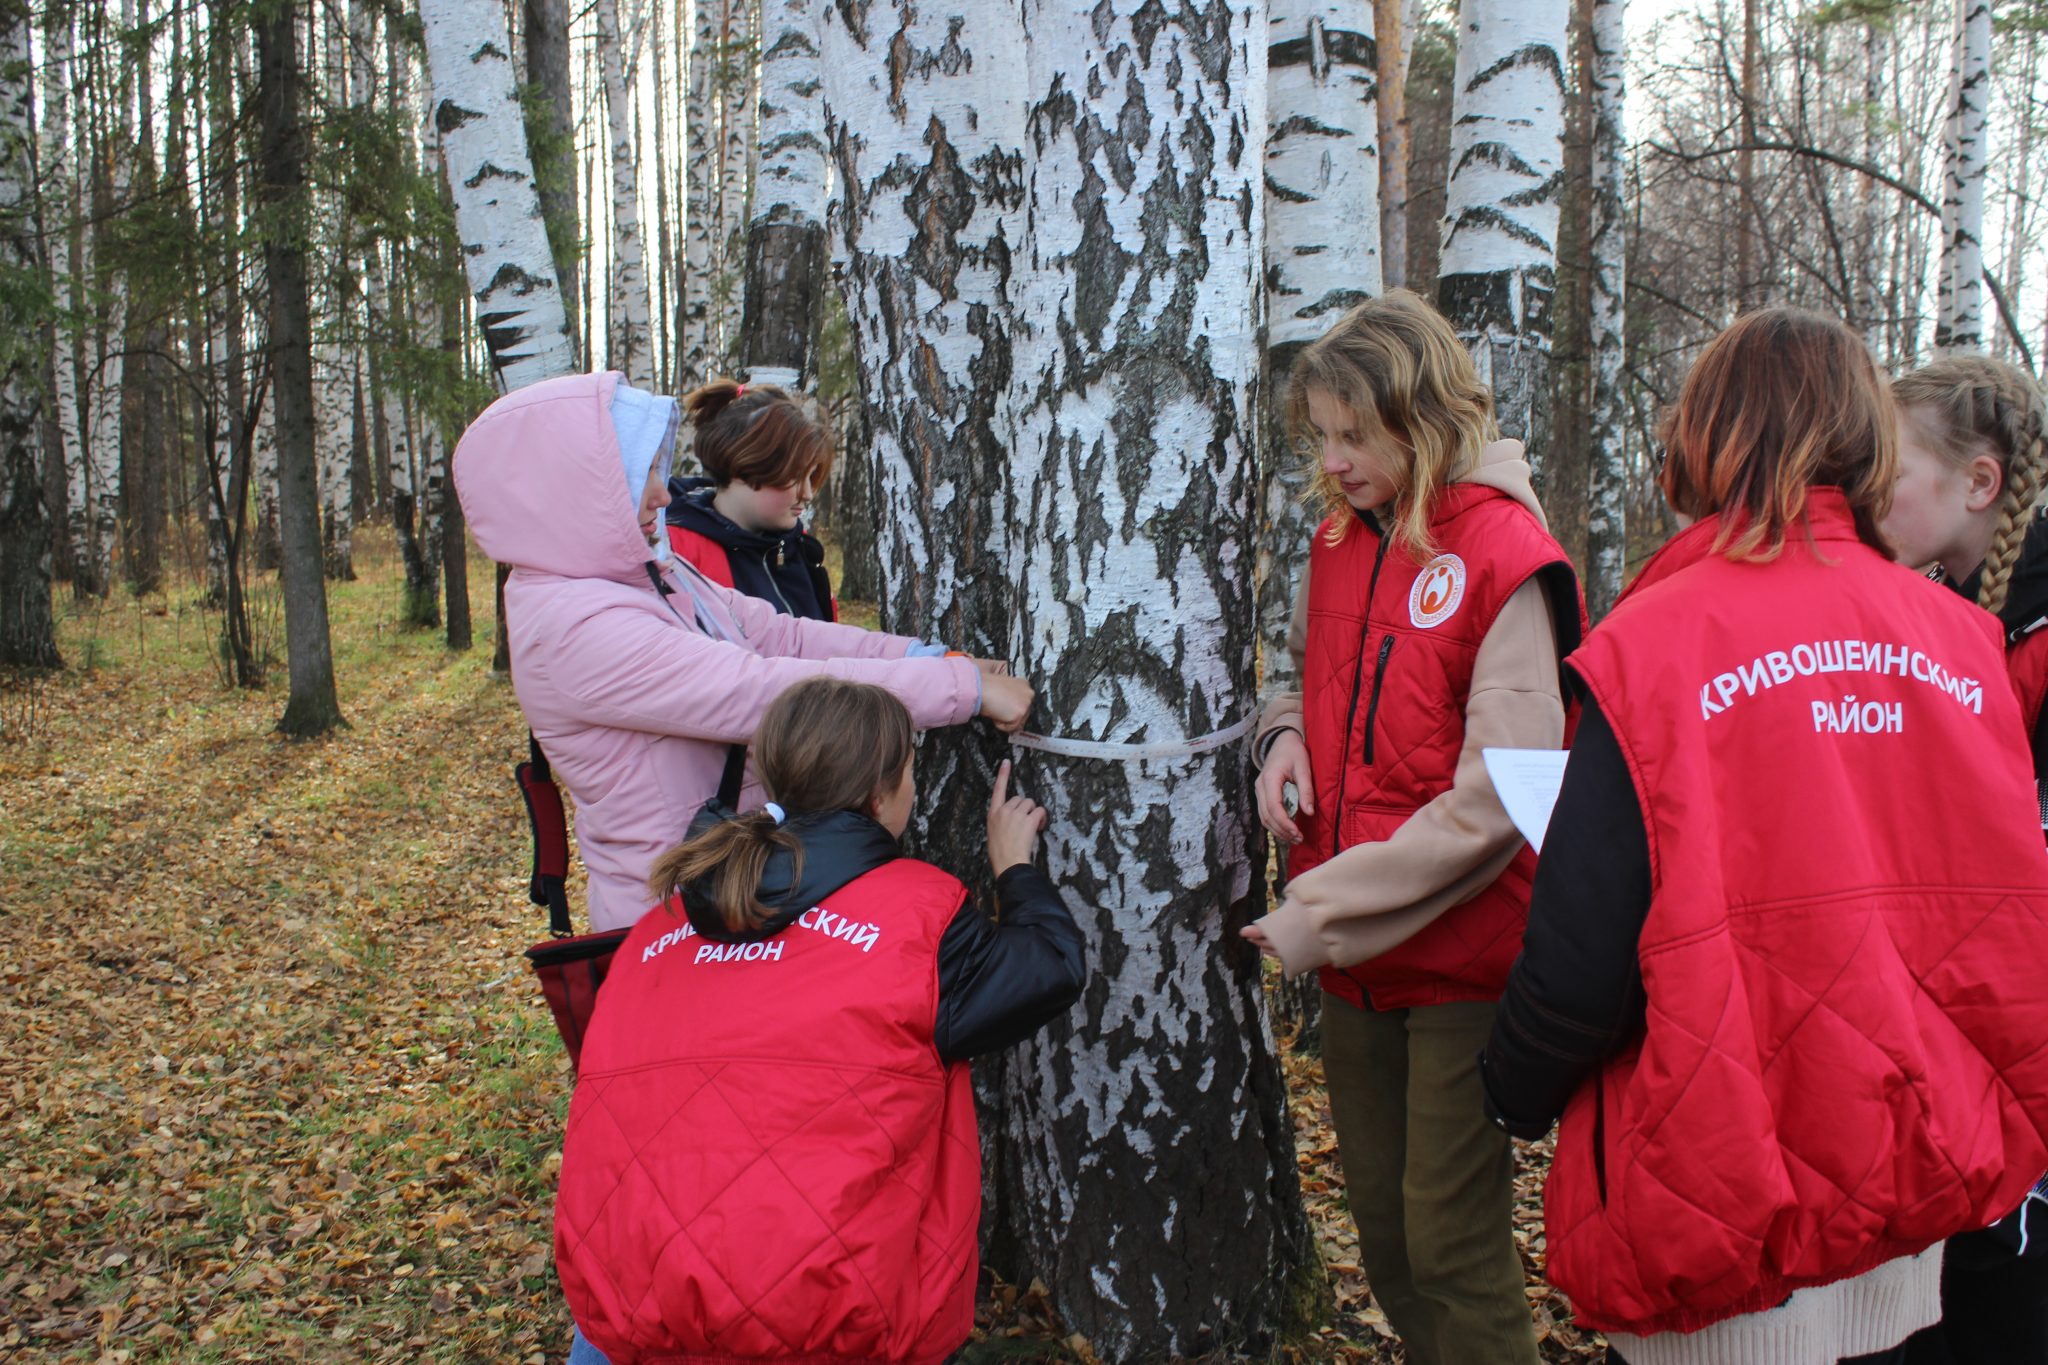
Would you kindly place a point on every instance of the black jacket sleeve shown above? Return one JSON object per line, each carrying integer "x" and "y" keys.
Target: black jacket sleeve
{"x": 1000, "y": 981}
{"x": 1575, "y": 996}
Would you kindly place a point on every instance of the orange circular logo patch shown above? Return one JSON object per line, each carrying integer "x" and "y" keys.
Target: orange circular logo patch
{"x": 1438, "y": 590}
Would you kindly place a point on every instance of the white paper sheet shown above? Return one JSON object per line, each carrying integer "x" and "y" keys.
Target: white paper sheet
{"x": 1527, "y": 781}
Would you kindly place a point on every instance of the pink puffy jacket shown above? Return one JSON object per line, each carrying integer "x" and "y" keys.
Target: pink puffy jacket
{"x": 633, "y": 702}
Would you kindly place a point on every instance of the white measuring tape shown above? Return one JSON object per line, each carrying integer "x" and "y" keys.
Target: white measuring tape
{"x": 1134, "y": 753}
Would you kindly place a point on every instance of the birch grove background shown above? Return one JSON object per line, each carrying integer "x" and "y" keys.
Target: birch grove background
{"x": 1044, "y": 267}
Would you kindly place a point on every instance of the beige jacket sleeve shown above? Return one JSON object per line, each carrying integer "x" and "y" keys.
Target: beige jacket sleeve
{"x": 1374, "y": 897}
{"x": 1283, "y": 711}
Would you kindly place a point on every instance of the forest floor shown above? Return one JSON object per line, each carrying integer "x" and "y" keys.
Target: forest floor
{"x": 277, "y": 1085}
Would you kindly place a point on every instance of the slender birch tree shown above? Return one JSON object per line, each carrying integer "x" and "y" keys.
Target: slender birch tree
{"x": 1501, "y": 214}
{"x": 101, "y": 493}
{"x": 738, "y": 147}
{"x": 28, "y": 636}
{"x": 58, "y": 176}
{"x": 1959, "y": 324}
{"x": 475, "y": 111}
{"x": 1602, "y": 76}
{"x": 785, "y": 236}
{"x": 701, "y": 203}
{"x": 1322, "y": 181}
{"x": 1392, "y": 35}
{"x": 630, "y": 345}
{"x": 336, "y": 341}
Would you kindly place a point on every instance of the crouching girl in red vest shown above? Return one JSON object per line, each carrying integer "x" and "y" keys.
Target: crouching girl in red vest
{"x": 1782, "y": 970}
{"x": 1428, "y": 626}
{"x": 1974, "y": 465}
{"x": 771, "y": 1151}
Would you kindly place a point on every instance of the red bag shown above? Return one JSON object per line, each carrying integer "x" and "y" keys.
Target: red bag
{"x": 572, "y": 966}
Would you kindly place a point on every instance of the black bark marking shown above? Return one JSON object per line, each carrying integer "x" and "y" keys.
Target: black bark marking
{"x": 1341, "y": 47}
{"x": 491, "y": 170}
{"x": 1487, "y": 216}
{"x": 1529, "y": 55}
{"x": 448, "y": 116}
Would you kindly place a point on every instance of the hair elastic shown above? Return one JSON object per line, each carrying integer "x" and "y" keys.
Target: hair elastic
{"x": 772, "y": 811}
{"x": 739, "y": 391}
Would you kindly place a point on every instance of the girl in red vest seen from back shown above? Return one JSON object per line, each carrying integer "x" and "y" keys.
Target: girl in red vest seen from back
{"x": 1782, "y": 974}
{"x": 771, "y": 1151}
{"x": 743, "y": 525}
{"x": 1973, "y": 467}
{"x": 1429, "y": 625}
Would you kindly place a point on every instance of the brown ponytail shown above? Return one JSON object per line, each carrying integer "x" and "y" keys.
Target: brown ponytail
{"x": 1973, "y": 405}
{"x": 757, "y": 433}
{"x": 823, "y": 745}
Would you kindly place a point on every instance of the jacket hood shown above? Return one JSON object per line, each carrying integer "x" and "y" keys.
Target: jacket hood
{"x": 1503, "y": 465}
{"x": 2026, "y": 593}
{"x": 543, "y": 483}
{"x": 840, "y": 846}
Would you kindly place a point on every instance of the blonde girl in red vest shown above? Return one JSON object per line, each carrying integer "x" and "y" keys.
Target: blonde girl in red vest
{"x": 771, "y": 1152}
{"x": 1781, "y": 977}
{"x": 1428, "y": 625}
{"x": 1973, "y": 468}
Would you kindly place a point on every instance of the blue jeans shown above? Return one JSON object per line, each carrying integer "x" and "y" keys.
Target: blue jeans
{"x": 581, "y": 1352}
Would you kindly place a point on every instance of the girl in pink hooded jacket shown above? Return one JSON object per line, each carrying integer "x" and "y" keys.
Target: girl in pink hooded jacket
{"x": 637, "y": 673}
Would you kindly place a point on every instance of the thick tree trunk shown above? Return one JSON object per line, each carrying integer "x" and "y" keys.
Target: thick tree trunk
{"x": 28, "y": 635}
{"x": 1322, "y": 254}
{"x": 630, "y": 345}
{"x": 312, "y": 708}
{"x": 551, "y": 136}
{"x": 1391, "y": 38}
{"x": 1959, "y": 328}
{"x": 1602, "y": 78}
{"x": 786, "y": 238}
{"x": 1134, "y": 479}
{"x": 497, "y": 212}
{"x": 1500, "y": 219}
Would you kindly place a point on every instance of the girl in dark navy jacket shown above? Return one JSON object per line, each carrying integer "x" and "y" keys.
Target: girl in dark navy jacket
{"x": 772, "y": 1151}
{"x": 743, "y": 526}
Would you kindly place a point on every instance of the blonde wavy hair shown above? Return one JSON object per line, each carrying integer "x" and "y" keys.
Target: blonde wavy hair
{"x": 1972, "y": 405}
{"x": 1409, "y": 382}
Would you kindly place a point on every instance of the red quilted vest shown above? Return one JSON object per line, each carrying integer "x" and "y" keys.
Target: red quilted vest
{"x": 766, "y": 1159}
{"x": 711, "y": 558}
{"x": 1846, "y": 1058}
{"x": 1385, "y": 680}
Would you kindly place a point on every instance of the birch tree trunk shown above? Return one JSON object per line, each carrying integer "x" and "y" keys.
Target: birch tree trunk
{"x": 1500, "y": 217}
{"x": 630, "y": 342}
{"x": 738, "y": 144}
{"x": 28, "y": 635}
{"x": 1391, "y": 38}
{"x": 701, "y": 203}
{"x": 334, "y": 347}
{"x": 1149, "y": 1128}
{"x": 312, "y": 708}
{"x": 785, "y": 239}
{"x": 60, "y": 179}
{"x": 1322, "y": 181}
{"x": 475, "y": 112}
{"x": 1602, "y": 80}
{"x": 1869, "y": 229}
{"x": 103, "y": 433}
{"x": 1959, "y": 328}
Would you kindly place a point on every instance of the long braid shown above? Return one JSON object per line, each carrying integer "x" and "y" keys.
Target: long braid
{"x": 1975, "y": 405}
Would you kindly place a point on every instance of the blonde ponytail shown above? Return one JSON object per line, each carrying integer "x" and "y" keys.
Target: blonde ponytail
{"x": 1972, "y": 405}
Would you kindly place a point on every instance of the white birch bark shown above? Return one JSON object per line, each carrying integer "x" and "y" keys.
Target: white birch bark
{"x": 103, "y": 433}
{"x": 786, "y": 229}
{"x": 738, "y": 124}
{"x": 630, "y": 342}
{"x": 60, "y": 182}
{"x": 1501, "y": 210}
{"x": 701, "y": 203}
{"x": 1322, "y": 183}
{"x": 335, "y": 349}
{"x": 28, "y": 635}
{"x": 1960, "y": 326}
{"x": 1607, "y": 258}
{"x": 475, "y": 111}
{"x": 1143, "y": 1131}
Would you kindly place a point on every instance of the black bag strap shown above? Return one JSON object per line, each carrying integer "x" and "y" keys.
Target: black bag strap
{"x": 548, "y": 825}
{"x": 734, "y": 777}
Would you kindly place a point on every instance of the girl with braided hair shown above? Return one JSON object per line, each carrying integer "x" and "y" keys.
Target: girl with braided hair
{"x": 1974, "y": 467}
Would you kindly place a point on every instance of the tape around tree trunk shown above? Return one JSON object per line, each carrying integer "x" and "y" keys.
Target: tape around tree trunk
{"x": 1135, "y": 753}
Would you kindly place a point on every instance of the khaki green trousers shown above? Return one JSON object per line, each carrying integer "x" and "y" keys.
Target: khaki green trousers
{"x": 1430, "y": 1182}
